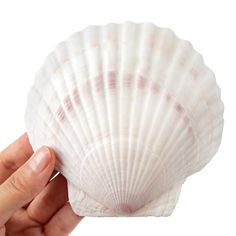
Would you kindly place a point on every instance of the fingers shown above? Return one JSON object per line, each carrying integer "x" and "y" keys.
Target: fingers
{"x": 63, "y": 222}
{"x": 23, "y": 185}
{"x": 53, "y": 175}
{"x": 14, "y": 156}
{"x": 49, "y": 201}
{"x": 19, "y": 221}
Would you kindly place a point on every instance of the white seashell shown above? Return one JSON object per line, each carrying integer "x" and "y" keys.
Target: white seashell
{"x": 131, "y": 111}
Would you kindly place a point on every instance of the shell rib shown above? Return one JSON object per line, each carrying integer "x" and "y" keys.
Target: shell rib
{"x": 131, "y": 111}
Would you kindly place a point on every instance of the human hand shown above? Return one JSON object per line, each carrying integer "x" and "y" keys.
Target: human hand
{"x": 31, "y": 204}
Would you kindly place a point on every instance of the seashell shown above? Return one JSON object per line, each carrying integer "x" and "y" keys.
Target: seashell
{"x": 131, "y": 111}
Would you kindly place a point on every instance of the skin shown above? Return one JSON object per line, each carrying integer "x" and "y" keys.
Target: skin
{"x": 31, "y": 202}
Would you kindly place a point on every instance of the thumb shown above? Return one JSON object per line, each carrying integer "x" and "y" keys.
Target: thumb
{"x": 23, "y": 185}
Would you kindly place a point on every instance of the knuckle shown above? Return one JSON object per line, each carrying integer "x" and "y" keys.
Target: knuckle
{"x": 60, "y": 224}
{"x": 8, "y": 164}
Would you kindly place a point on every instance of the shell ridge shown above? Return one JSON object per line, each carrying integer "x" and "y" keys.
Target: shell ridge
{"x": 93, "y": 101}
{"x": 133, "y": 117}
{"x": 145, "y": 103}
{"x": 103, "y": 32}
{"x": 163, "y": 37}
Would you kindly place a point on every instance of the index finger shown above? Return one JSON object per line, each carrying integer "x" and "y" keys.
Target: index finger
{"x": 14, "y": 156}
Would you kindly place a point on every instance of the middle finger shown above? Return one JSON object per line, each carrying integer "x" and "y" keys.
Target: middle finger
{"x": 49, "y": 201}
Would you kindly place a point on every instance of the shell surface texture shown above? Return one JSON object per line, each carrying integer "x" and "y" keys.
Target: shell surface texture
{"x": 131, "y": 111}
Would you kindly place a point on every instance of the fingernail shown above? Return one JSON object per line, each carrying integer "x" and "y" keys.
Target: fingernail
{"x": 40, "y": 160}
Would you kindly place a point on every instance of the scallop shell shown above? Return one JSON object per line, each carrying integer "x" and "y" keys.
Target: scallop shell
{"x": 131, "y": 111}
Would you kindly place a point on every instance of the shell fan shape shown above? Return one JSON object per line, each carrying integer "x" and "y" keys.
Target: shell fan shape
{"x": 131, "y": 111}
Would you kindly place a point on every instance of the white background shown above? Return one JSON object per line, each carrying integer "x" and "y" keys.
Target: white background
{"x": 29, "y": 30}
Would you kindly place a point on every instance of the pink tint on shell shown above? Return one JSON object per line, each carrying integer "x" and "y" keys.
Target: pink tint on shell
{"x": 142, "y": 82}
{"x": 76, "y": 97}
{"x": 61, "y": 114}
{"x": 123, "y": 208}
{"x": 112, "y": 79}
{"x": 68, "y": 103}
{"x": 178, "y": 107}
{"x": 155, "y": 87}
{"x": 112, "y": 83}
